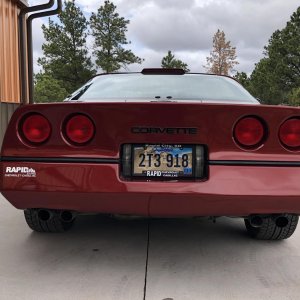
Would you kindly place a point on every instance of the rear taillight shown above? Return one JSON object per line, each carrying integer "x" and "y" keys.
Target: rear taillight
{"x": 249, "y": 132}
{"x": 35, "y": 129}
{"x": 289, "y": 133}
{"x": 79, "y": 129}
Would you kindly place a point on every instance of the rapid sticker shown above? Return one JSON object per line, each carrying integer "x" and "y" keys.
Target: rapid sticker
{"x": 19, "y": 172}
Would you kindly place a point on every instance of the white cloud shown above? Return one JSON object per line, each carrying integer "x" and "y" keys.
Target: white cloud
{"x": 187, "y": 27}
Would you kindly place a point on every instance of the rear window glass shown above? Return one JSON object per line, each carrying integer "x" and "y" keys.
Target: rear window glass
{"x": 150, "y": 87}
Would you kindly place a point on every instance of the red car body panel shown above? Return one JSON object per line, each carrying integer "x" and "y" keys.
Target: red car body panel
{"x": 230, "y": 191}
{"x": 238, "y": 181}
{"x": 113, "y": 122}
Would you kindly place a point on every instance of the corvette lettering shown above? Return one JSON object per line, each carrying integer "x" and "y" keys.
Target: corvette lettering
{"x": 164, "y": 130}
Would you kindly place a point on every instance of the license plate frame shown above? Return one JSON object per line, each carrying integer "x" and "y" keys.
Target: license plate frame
{"x": 165, "y": 174}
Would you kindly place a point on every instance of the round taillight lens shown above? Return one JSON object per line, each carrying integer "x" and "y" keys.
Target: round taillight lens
{"x": 36, "y": 129}
{"x": 249, "y": 132}
{"x": 79, "y": 129}
{"x": 289, "y": 133}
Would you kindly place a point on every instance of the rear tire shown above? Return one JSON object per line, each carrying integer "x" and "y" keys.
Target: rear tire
{"x": 53, "y": 225}
{"x": 270, "y": 231}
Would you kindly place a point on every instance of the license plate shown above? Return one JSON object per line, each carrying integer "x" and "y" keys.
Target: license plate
{"x": 164, "y": 161}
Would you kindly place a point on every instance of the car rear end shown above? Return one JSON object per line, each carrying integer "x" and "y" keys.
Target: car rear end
{"x": 87, "y": 160}
{"x": 154, "y": 158}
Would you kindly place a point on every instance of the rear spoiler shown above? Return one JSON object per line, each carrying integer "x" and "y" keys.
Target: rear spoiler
{"x": 161, "y": 71}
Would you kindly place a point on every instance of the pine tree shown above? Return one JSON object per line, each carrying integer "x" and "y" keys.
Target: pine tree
{"x": 65, "y": 52}
{"x": 276, "y": 77}
{"x": 284, "y": 52}
{"x": 48, "y": 89}
{"x": 170, "y": 62}
{"x": 222, "y": 58}
{"x": 262, "y": 83}
{"x": 294, "y": 97}
{"x": 109, "y": 31}
{"x": 242, "y": 78}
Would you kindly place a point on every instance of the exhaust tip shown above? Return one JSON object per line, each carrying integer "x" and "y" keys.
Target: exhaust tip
{"x": 44, "y": 215}
{"x": 281, "y": 221}
{"x": 256, "y": 221}
{"x": 67, "y": 216}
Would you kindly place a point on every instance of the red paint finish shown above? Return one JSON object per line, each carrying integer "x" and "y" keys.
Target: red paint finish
{"x": 113, "y": 122}
{"x": 234, "y": 191}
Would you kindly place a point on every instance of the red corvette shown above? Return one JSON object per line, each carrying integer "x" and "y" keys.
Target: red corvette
{"x": 155, "y": 143}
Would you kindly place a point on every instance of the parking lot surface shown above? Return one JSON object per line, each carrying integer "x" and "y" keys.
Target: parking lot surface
{"x": 134, "y": 258}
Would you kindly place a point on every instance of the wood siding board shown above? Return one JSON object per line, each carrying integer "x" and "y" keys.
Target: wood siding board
{"x": 2, "y": 49}
{"x": 9, "y": 61}
{"x": 9, "y": 52}
{"x": 1, "y": 55}
{"x": 16, "y": 57}
{"x": 9, "y": 49}
{"x": 5, "y": 53}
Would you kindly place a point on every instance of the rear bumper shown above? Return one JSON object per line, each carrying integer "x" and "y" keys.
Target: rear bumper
{"x": 88, "y": 187}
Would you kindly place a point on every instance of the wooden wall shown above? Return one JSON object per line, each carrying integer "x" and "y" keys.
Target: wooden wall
{"x": 9, "y": 52}
{"x": 10, "y": 89}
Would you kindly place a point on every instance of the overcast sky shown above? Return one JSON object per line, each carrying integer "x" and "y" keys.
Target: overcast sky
{"x": 187, "y": 26}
